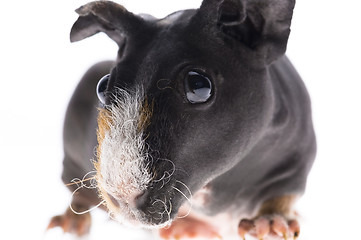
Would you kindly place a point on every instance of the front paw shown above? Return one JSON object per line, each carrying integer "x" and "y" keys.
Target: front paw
{"x": 189, "y": 227}
{"x": 269, "y": 227}
{"x": 72, "y": 222}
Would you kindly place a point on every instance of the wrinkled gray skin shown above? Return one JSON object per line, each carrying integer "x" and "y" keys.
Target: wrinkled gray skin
{"x": 251, "y": 141}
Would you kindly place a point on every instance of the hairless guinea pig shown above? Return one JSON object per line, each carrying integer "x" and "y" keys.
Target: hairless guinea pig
{"x": 200, "y": 128}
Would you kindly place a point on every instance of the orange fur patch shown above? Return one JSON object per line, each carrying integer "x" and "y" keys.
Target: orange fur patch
{"x": 104, "y": 121}
{"x": 146, "y": 113}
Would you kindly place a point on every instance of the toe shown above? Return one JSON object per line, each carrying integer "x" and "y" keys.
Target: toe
{"x": 280, "y": 226}
{"x": 83, "y": 227}
{"x": 244, "y": 227}
{"x": 269, "y": 227}
{"x": 262, "y": 227}
{"x": 72, "y": 223}
{"x": 56, "y": 221}
{"x": 294, "y": 228}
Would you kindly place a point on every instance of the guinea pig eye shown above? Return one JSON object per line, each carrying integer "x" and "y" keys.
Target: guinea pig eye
{"x": 101, "y": 88}
{"x": 198, "y": 87}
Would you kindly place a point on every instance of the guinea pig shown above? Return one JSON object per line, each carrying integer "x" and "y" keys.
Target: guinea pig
{"x": 201, "y": 127}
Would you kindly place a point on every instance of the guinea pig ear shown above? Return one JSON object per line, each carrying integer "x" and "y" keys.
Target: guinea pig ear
{"x": 262, "y": 25}
{"x": 108, "y": 17}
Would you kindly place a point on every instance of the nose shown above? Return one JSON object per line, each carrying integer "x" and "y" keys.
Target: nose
{"x": 133, "y": 200}
{"x": 140, "y": 199}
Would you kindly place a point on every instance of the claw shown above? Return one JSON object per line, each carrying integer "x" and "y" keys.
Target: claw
{"x": 219, "y": 237}
{"x": 295, "y": 236}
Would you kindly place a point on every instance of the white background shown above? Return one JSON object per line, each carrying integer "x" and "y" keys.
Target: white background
{"x": 39, "y": 69}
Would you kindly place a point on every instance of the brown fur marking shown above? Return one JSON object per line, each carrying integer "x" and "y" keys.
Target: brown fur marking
{"x": 279, "y": 205}
{"x": 104, "y": 120}
{"x": 146, "y": 113}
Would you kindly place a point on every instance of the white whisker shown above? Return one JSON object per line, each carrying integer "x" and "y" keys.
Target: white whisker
{"x": 170, "y": 210}
{"x": 80, "y": 183}
{"x": 190, "y": 193}
{"x": 86, "y": 211}
{"x": 77, "y": 181}
{"x": 166, "y": 208}
{"x": 188, "y": 199}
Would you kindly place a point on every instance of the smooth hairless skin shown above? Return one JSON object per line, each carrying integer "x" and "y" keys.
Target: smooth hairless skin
{"x": 200, "y": 128}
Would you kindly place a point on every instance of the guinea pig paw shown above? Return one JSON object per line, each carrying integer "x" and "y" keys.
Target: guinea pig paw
{"x": 71, "y": 222}
{"x": 189, "y": 227}
{"x": 274, "y": 227}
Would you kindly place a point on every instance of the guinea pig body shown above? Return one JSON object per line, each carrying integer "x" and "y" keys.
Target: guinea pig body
{"x": 200, "y": 111}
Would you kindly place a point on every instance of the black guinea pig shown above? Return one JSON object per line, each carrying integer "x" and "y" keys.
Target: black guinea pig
{"x": 201, "y": 120}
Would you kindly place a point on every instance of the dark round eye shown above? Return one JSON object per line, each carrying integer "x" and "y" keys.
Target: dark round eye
{"x": 102, "y": 87}
{"x": 198, "y": 87}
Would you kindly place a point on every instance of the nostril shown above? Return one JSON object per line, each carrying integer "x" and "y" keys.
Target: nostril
{"x": 114, "y": 201}
{"x": 140, "y": 199}
{"x": 133, "y": 200}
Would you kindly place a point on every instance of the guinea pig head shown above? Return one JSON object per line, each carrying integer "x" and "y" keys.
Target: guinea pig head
{"x": 187, "y": 98}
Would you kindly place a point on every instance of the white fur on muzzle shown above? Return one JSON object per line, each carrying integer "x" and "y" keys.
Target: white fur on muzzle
{"x": 123, "y": 161}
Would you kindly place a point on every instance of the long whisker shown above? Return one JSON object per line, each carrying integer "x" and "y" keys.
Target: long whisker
{"x": 76, "y": 181}
{"x": 190, "y": 202}
{"x": 182, "y": 193}
{"x": 161, "y": 213}
{"x": 171, "y": 162}
{"x": 170, "y": 211}
{"x": 166, "y": 208}
{"x": 169, "y": 174}
{"x": 86, "y": 211}
{"x": 190, "y": 193}
{"x": 80, "y": 184}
